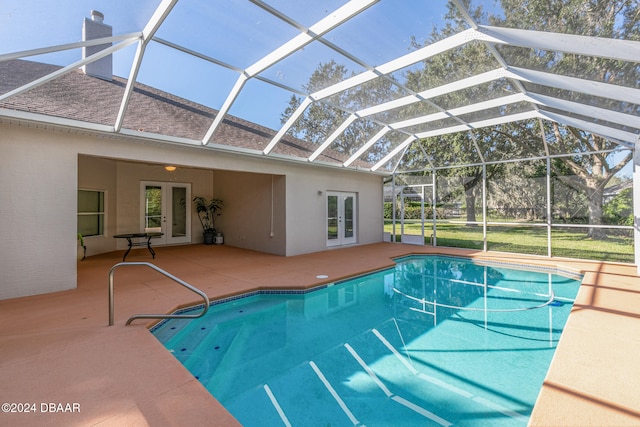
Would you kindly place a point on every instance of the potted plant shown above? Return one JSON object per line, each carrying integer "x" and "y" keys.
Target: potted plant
{"x": 207, "y": 210}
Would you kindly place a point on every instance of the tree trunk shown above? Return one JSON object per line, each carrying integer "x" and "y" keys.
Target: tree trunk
{"x": 470, "y": 199}
{"x": 595, "y": 214}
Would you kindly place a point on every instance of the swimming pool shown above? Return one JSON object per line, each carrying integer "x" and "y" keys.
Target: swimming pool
{"x": 434, "y": 341}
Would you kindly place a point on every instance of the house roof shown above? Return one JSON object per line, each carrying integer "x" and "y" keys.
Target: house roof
{"x": 85, "y": 99}
{"x": 614, "y": 190}
{"x": 205, "y": 74}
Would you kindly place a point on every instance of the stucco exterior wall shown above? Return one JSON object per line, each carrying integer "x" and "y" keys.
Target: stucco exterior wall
{"x": 38, "y": 194}
{"x": 270, "y": 205}
{"x": 307, "y": 212}
{"x": 120, "y": 180}
{"x": 129, "y": 176}
{"x": 99, "y": 174}
{"x": 254, "y": 215}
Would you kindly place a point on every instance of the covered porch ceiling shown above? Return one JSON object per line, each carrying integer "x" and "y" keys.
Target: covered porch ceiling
{"x": 349, "y": 77}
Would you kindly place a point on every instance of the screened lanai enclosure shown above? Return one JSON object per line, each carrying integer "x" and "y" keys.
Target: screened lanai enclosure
{"x": 495, "y": 125}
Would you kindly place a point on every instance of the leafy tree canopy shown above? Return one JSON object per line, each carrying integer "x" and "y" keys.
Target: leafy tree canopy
{"x": 522, "y": 139}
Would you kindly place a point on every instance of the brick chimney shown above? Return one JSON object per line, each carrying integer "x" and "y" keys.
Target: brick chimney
{"x": 94, "y": 28}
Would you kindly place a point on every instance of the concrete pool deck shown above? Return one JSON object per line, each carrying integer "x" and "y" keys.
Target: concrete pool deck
{"x": 59, "y": 357}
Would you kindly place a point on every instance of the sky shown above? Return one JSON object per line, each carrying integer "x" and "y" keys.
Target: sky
{"x": 235, "y": 32}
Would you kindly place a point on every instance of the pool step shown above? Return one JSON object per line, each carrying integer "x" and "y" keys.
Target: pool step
{"x": 425, "y": 366}
{"x": 338, "y": 390}
{"x": 180, "y": 333}
{"x": 185, "y": 332}
{"x": 347, "y": 386}
{"x": 265, "y": 331}
{"x": 168, "y": 329}
{"x": 204, "y": 360}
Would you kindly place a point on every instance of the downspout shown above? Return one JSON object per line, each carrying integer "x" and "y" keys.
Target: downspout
{"x": 434, "y": 204}
{"x": 636, "y": 203}
{"x": 484, "y": 206}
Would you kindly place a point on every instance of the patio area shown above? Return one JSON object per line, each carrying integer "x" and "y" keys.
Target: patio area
{"x": 60, "y": 358}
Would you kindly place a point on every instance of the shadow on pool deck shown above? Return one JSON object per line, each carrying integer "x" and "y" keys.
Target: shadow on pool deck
{"x": 57, "y": 348}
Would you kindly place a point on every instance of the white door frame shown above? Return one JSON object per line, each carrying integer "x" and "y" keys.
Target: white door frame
{"x": 169, "y": 238}
{"x": 341, "y": 225}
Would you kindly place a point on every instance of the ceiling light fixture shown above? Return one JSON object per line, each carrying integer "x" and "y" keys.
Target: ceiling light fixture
{"x": 170, "y": 168}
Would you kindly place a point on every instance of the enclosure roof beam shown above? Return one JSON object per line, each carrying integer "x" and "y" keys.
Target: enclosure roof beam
{"x": 393, "y": 152}
{"x": 285, "y": 128}
{"x": 367, "y": 145}
{"x": 196, "y": 54}
{"x": 340, "y": 16}
{"x": 160, "y": 14}
{"x": 459, "y": 128}
{"x": 69, "y": 46}
{"x": 543, "y": 135}
{"x": 534, "y": 39}
{"x": 624, "y": 138}
{"x": 509, "y": 99}
{"x": 479, "y": 124}
{"x": 520, "y": 74}
{"x": 69, "y": 68}
{"x": 622, "y": 50}
{"x": 584, "y": 45}
{"x": 586, "y": 110}
{"x": 421, "y": 96}
{"x": 426, "y": 156}
{"x": 466, "y": 109}
{"x": 526, "y": 38}
{"x": 316, "y": 31}
{"x": 396, "y": 64}
{"x": 433, "y": 92}
{"x": 231, "y": 67}
{"x": 397, "y": 165}
{"x": 333, "y": 137}
{"x": 589, "y": 87}
{"x": 465, "y": 13}
{"x": 477, "y": 147}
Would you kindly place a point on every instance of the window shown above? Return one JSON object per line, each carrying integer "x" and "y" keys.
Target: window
{"x": 91, "y": 213}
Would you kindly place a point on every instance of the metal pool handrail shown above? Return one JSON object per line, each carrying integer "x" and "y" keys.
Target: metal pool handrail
{"x": 156, "y": 316}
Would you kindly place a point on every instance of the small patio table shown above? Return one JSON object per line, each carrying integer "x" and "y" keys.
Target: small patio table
{"x": 138, "y": 239}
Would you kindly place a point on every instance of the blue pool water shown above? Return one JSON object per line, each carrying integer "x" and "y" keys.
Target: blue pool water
{"x": 433, "y": 341}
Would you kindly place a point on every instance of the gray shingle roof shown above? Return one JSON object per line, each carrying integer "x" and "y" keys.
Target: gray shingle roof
{"x": 77, "y": 96}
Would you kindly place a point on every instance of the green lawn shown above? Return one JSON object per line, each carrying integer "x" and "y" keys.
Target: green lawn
{"x": 571, "y": 243}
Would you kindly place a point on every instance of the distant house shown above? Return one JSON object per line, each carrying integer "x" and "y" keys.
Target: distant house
{"x": 612, "y": 191}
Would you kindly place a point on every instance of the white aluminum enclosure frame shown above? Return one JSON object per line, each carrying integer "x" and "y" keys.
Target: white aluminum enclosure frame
{"x": 620, "y": 50}
{"x": 622, "y": 128}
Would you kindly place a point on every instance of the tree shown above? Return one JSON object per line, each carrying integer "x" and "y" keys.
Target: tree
{"x": 471, "y": 147}
{"x": 463, "y": 154}
{"x": 590, "y": 172}
{"x": 321, "y": 119}
{"x": 602, "y": 18}
{"x": 459, "y": 150}
{"x": 619, "y": 18}
{"x": 619, "y": 210}
{"x": 507, "y": 198}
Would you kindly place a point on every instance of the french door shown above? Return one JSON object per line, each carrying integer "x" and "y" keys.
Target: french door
{"x": 165, "y": 207}
{"x": 341, "y": 218}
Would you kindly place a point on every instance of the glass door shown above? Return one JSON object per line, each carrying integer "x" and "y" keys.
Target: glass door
{"x": 165, "y": 208}
{"x": 341, "y": 218}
